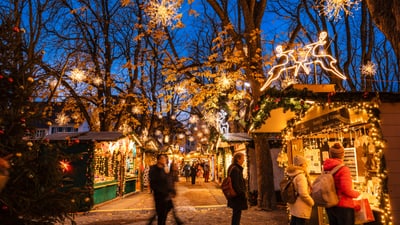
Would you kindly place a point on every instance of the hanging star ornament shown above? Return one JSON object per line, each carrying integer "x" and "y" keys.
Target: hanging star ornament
{"x": 164, "y": 12}
{"x": 368, "y": 69}
{"x": 62, "y": 119}
{"x": 333, "y": 8}
{"x": 77, "y": 75}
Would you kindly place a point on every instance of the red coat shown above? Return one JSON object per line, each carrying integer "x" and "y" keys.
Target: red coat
{"x": 343, "y": 183}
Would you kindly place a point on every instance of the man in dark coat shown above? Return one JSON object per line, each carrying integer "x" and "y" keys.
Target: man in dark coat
{"x": 239, "y": 202}
{"x": 162, "y": 187}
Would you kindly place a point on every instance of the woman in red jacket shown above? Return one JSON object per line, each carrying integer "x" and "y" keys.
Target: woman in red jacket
{"x": 343, "y": 213}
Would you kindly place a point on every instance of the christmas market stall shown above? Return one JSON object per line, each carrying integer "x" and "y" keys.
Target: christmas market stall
{"x": 105, "y": 165}
{"x": 366, "y": 124}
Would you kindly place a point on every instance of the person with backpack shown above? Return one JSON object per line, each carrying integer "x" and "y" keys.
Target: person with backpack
{"x": 300, "y": 210}
{"x": 239, "y": 202}
{"x": 343, "y": 212}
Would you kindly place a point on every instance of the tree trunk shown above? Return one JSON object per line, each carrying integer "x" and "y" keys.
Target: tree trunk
{"x": 386, "y": 15}
{"x": 265, "y": 176}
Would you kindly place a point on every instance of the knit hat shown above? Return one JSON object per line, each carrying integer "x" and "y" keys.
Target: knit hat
{"x": 299, "y": 160}
{"x": 336, "y": 151}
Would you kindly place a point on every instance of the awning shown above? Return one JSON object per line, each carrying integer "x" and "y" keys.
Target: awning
{"x": 236, "y": 137}
{"x": 86, "y": 136}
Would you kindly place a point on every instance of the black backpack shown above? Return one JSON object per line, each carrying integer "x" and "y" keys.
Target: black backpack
{"x": 288, "y": 190}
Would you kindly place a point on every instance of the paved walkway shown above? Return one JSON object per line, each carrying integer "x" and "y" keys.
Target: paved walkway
{"x": 199, "y": 204}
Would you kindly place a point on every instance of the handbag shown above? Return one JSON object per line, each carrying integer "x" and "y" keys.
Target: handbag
{"x": 362, "y": 211}
{"x": 227, "y": 188}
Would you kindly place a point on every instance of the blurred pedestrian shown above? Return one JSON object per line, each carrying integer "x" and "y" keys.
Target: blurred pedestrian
{"x": 301, "y": 209}
{"x": 239, "y": 202}
{"x": 343, "y": 213}
{"x": 186, "y": 171}
{"x": 193, "y": 173}
{"x": 206, "y": 172}
{"x": 162, "y": 186}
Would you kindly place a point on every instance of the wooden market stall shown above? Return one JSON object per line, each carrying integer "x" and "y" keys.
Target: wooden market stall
{"x": 107, "y": 166}
{"x": 367, "y": 125}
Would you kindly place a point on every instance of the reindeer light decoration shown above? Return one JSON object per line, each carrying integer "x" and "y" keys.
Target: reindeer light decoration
{"x": 223, "y": 125}
{"x": 312, "y": 55}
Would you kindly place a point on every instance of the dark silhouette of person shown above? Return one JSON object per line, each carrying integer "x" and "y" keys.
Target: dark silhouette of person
{"x": 186, "y": 171}
{"x": 206, "y": 173}
{"x": 193, "y": 173}
{"x": 239, "y": 202}
{"x": 163, "y": 187}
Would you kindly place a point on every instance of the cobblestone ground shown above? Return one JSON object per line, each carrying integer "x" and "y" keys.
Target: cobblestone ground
{"x": 205, "y": 216}
{"x": 199, "y": 204}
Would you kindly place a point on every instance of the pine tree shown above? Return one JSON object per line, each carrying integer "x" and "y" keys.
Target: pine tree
{"x": 35, "y": 192}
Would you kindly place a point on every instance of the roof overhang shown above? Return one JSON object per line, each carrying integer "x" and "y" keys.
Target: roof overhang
{"x": 86, "y": 136}
{"x": 236, "y": 137}
{"x": 276, "y": 122}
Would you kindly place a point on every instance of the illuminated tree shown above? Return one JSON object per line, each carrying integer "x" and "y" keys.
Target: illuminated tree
{"x": 33, "y": 194}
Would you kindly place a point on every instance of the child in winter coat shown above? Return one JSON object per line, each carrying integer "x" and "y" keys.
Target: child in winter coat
{"x": 300, "y": 210}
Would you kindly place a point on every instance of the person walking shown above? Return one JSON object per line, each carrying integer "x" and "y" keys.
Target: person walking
{"x": 238, "y": 203}
{"x": 343, "y": 212}
{"x": 186, "y": 171}
{"x": 300, "y": 210}
{"x": 206, "y": 172}
{"x": 162, "y": 186}
{"x": 193, "y": 173}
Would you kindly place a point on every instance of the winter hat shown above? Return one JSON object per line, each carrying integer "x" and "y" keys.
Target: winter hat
{"x": 299, "y": 160}
{"x": 336, "y": 151}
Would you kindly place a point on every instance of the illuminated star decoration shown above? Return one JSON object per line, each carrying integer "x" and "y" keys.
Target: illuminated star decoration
{"x": 368, "y": 69}
{"x": 97, "y": 81}
{"x": 224, "y": 82}
{"x": 163, "y": 12}
{"x": 62, "y": 119}
{"x": 332, "y": 8}
{"x": 77, "y": 75}
{"x": 309, "y": 55}
{"x": 65, "y": 166}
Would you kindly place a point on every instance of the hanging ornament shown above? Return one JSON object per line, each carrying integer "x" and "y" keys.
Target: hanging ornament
{"x": 282, "y": 159}
{"x": 368, "y": 69}
{"x": 62, "y": 119}
{"x": 293, "y": 62}
{"x": 164, "y": 12}
{"x": 77, "y": 75}
{"x": 333, "y": 8}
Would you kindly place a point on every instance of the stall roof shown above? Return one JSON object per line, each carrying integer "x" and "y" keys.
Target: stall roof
{"x": 237, "y": 137}
{"x": 87, "y": 136}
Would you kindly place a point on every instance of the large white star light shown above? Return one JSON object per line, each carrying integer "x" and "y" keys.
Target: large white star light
{"x": 368, "y": 69}
{"x": 333, "y": 8}
{"x": 62, "y": 119}
{"x": 77, "y": 75}
{"x": 164, "y": 12}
